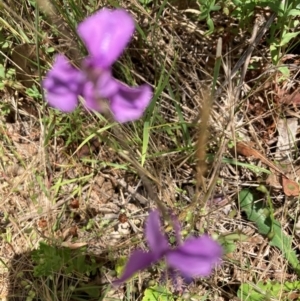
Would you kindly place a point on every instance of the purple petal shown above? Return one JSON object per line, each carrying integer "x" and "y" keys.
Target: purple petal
{"x": 90, "y": 97}
{"x": 106, "y": 34}
{"x": 129, "y": 104}
{"x": 156, "y": 240}
{"x": 62, "y": 84}
{"x": 105, "y": 86}
{"x": 138, "y": 260}
{"x": 196, "y": 257}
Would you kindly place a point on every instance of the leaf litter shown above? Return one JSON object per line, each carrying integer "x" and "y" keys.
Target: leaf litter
{"x": 100, "y": 207}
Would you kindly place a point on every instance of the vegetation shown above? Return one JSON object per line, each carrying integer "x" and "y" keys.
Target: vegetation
{"x": 218, "y": 145}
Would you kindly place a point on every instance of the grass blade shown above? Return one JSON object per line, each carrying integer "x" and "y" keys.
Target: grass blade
{"x": 258, "y": 213}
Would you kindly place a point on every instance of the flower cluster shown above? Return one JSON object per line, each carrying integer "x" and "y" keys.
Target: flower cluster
{"x": 105, "y": 35}
{"x": 194, "y": 257}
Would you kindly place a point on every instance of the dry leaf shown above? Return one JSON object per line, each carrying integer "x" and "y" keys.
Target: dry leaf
{"x": 74, "y": 204}
{"x": 69, "y": 232}
{"x": 243, "y": 149}
{"x": 123, "y": 218}
{"x": 73, "y": 246}
{"x": 287, "y": 130}
{"x": 273, "y": 180}
{"x": 291, "y": 99}
{"x": 290, "y": 187}
{"x": 73, "y": 231}
{"x": 42, "y": 223}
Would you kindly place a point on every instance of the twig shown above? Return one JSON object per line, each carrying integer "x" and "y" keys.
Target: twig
{"x": 254, "y": 42}
{"x": 132, "y": 191}
{"x": 247, "y": 58}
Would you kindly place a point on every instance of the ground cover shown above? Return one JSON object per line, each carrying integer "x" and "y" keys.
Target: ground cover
{"x": 218, "y": 145}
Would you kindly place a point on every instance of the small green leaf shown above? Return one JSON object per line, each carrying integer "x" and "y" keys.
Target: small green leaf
{"x": 226, "y": 11}
{"x": 120, "y": 265}
{"x": 5, "y": 45}
{"x": 157, "y": 293}
{"x": 287, "y": 37}
{"x": 274, "y": 52}
{"x": 294, "y": 12}
{"x": 266, "y": 291}
{"x": 145, "y": 2}
{"x": 210, "y": 25}
{"x": 215, "y": 8}
{"x": 285, "y": 72}
{"x": 236, "y": 237}
{"x": 228, "y": 247}
{"x": 50, "y": 49}
{"x": 2, "y": 71}
{"x": 255, "y": 211}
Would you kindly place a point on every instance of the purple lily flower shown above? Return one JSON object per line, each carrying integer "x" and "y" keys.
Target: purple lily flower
{"x": 194, "y": 257}
{"x": 105, "y": 34}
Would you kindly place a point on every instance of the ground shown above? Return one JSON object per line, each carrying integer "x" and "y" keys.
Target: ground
{"x": 218, "y": 146}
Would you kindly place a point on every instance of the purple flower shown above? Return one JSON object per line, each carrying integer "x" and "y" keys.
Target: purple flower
{"x": 105, "y": 35}
{"x": 194, "y": 257}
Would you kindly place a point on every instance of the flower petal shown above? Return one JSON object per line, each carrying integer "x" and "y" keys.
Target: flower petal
{"x": 105, "y": 86}
{"x": 62, "y": 84}
{"x": 128, "y": 103}
{"x": 105, "y": 34}
{"x": 138, "y": 260}
{"x": 156, "y": 240}
{"x": 90, "y": 97}
{"x": 196, "y": 257}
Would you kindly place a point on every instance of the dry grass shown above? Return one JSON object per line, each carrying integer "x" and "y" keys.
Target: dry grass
{"x": 68, "y": 180}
